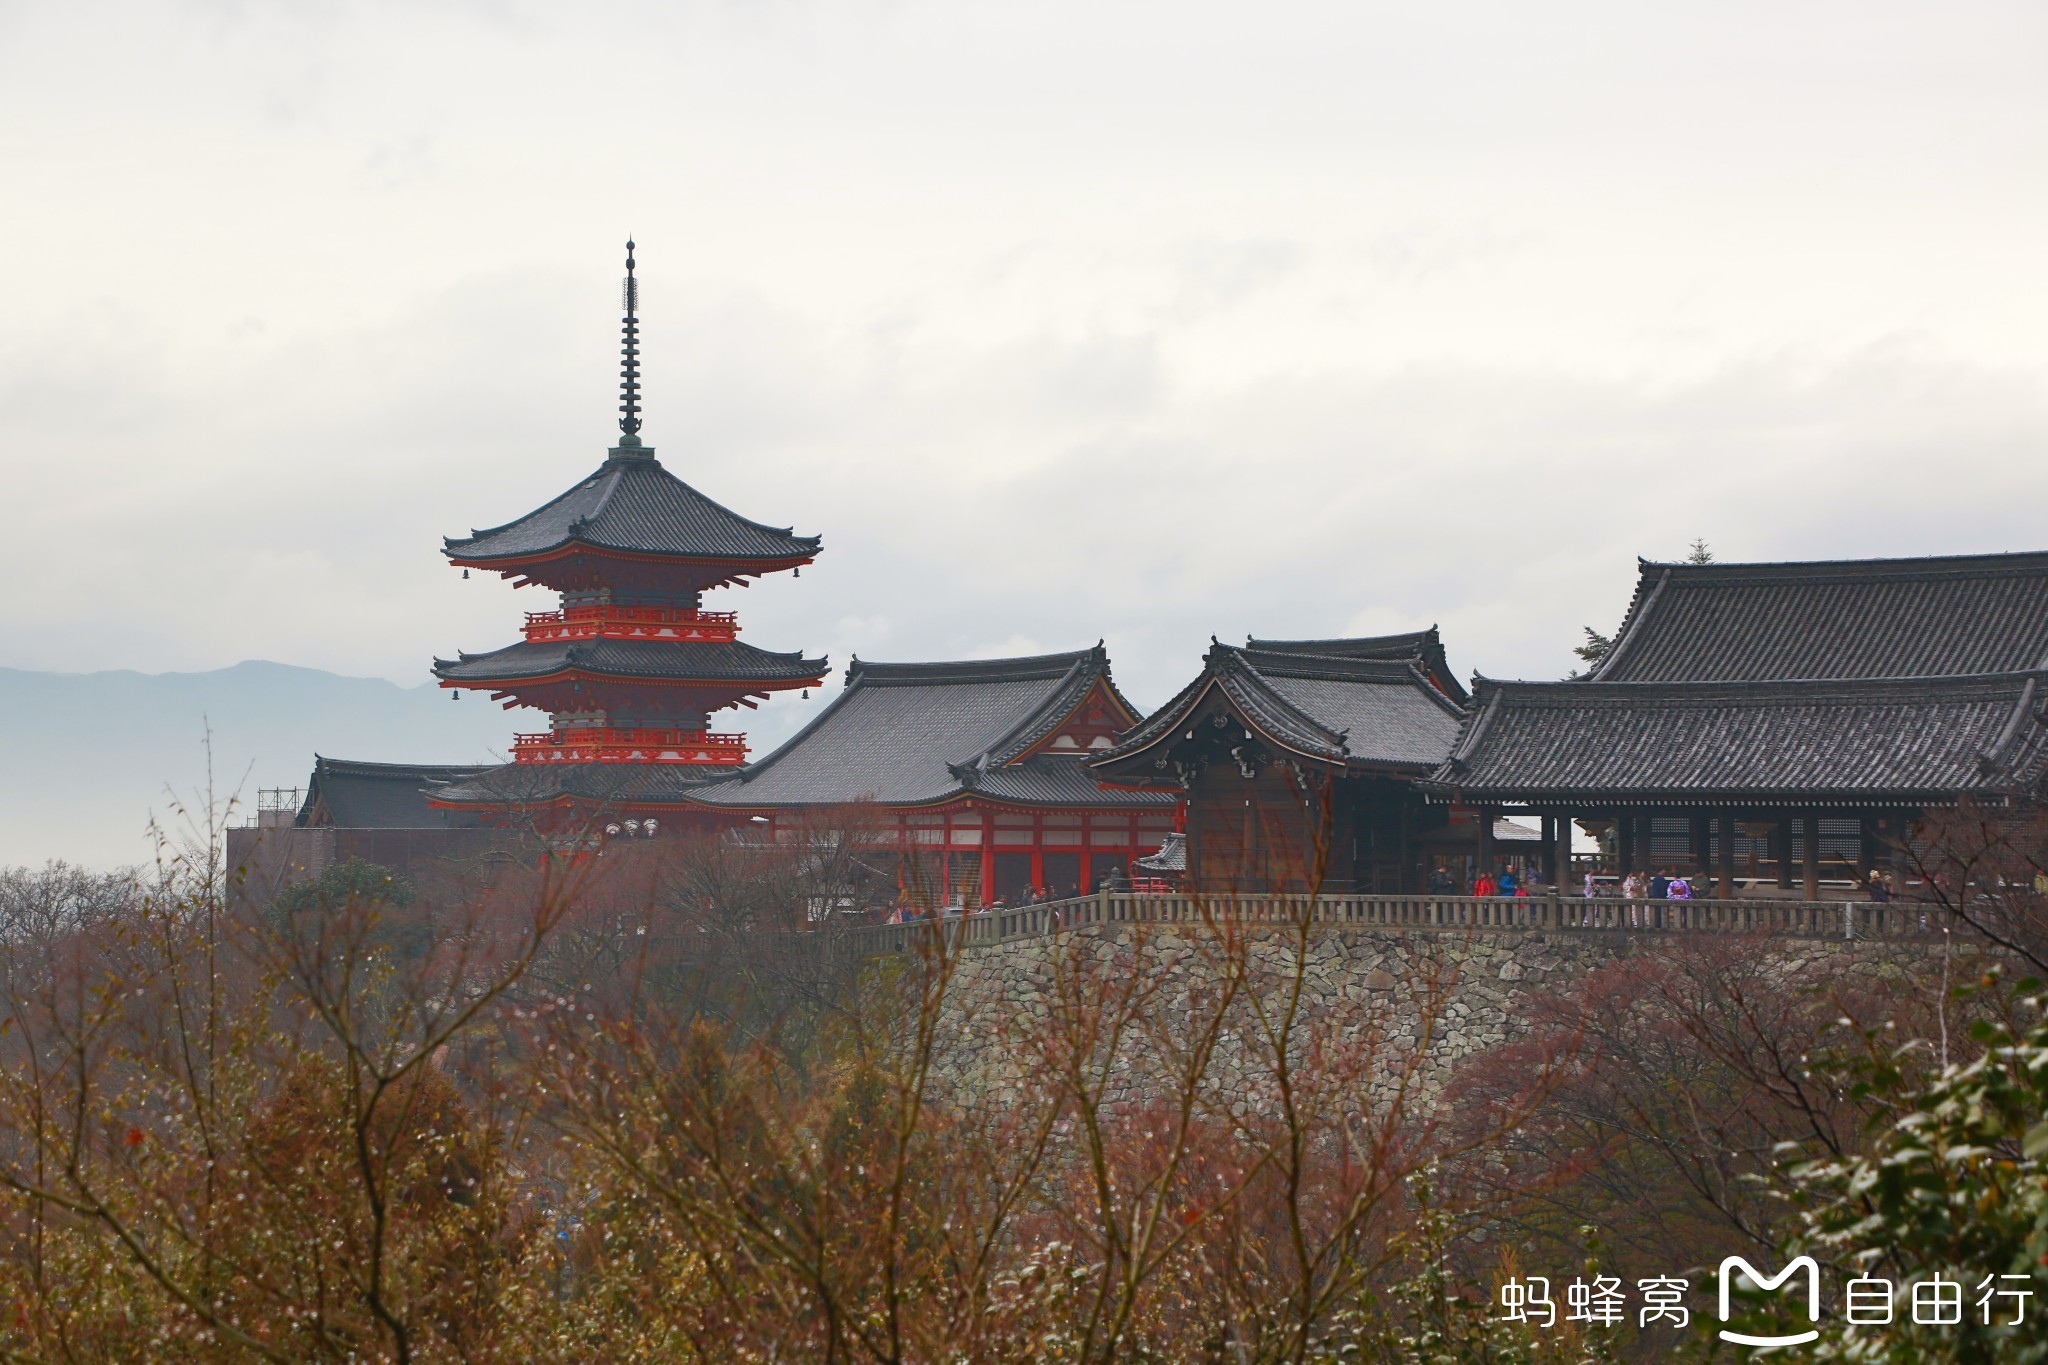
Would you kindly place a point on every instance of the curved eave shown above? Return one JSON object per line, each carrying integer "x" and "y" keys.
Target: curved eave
{"x": 557, "y": 802}
{"x": 570, "y": 801}
{"x": 1737, "y": 801}
{"x": 959, "y": 796}
{"x": 507, "y": 683}
{"x": 1187, "y": 704}
{"x": 753, "y": 565}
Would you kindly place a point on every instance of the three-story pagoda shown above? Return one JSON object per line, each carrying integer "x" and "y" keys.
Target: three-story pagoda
{"x": 630, "y": 667}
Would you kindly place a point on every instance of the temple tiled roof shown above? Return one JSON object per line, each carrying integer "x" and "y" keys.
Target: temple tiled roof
{"x": 719, "y": 661}
{"x": 1356, "y": 712}
{"x": 1914, "y": 740}
{"x": 1423, "y": 648}
{"x": 1171, "y": 856}
{"x": 355, "y": 795}
{"x": 631, "y": 504}
{"x": 593, "y": 784}
{"x": 907, "y": 734}
{"x": 1866, "y": 618}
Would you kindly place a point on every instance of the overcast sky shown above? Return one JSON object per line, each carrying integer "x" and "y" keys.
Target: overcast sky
{"x": 1056, "y": 320}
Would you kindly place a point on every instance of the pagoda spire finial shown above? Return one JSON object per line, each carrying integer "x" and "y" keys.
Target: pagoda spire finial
{"x": 629, "y": 366}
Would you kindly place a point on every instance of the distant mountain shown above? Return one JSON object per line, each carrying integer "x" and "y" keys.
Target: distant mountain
{"x": 93, "y": 754}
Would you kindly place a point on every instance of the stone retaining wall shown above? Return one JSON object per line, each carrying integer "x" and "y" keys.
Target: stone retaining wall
{"x": 1359, "y": 988}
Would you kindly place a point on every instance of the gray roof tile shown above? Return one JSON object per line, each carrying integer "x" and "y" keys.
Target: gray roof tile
{"x": 1423, "y": 648}
{"x": 915, "y": 733}
{"x": 638, "y": 784}
{"x": 632, "y": 504}
{"x": 723, "y": 660}
{"x": 1869, "y": 618}
{"x": 356, "y": 795}
{"x": 1926, "y": 739}
{"x": 1365, "y": 712}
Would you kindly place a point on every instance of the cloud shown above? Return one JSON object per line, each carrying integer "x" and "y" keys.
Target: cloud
{"x": 1329, "y": 318}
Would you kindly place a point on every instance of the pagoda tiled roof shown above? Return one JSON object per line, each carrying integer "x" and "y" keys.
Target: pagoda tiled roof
{"x": 351, "y": 794}
{"x": 632, "y": 505}
{"x": 1423, "y": 648}
{"x": 712, "y": 661}
{"x": 920, "y": 733}
{"x": 1826, "y": 741}
{"x": 1858, "y": 618}
{"x": 1355, "y": 712}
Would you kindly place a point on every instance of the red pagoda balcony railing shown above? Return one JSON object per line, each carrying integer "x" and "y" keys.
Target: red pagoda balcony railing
{"x": 632, "y": 623}
{"x": 604, "y": 744}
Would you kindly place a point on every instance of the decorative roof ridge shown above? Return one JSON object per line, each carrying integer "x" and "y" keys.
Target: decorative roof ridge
{"x": 1336, "y": 643}
{"x": 1328, "y": 668}
{"x": 1425, "y": 648}
{"x": 747, "y": 772}
{"x": 1258, "y": 694}
{"x": 583, "y": 647}
{"x": 359, "y": 767}
{"x": 1046, "y": 717}
{"x": 1996, "y": 754}
{"x": 1581, "y": 690}
{"x": 616, "y": 466}
{"x": 656, "y": 467}
{"x": 1150, "y": 728}
{"x": 938, "y": 673}
{"x": 478, "y": 533}
{"x": 1331, "y": 666}
{"x": 1639, "y": 605}
{"x": 615, "y": 470}
{"x": 1888, "y": 567}
{"x": 1486, "y": 696}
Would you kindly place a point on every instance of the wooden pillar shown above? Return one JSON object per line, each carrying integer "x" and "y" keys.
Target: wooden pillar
{"x": 1866, "y": 845}
{"x": 1702, "y": 845}
{"x": 1564, "y": 851}
{"x": 1811, "y": 834}
{"x": 1191, "y": 880}
{"x": 1410, "y": 880}
{"x": 1485, "y": 842}
{"x": 1781, "y": 852}
{"x": 1727, "y": 879}
{"x": 988, "y": 859}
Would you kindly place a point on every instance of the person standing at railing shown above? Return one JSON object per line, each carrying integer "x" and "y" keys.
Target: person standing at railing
{"x": 1660, "y": 886}
{"x": 1633, "y": 887}
{"x": 1679, "y": 889}
{"x": 1507, "y": 885}
{"x": 1484, "y": 884}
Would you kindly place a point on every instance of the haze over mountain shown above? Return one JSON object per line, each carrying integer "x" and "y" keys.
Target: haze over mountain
{"x": 100, "y": 752}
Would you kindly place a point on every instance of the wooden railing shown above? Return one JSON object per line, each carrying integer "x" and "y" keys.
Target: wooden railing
{"x": 599, "y": 744}
{"x": 1422, "y": 914}
{"x": 631, "y": 623}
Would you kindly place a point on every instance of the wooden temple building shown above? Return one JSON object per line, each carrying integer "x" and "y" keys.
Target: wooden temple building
{"x": 976, "y": 771}
{"x": 1775, "y": 723}
{"x": 1298, "y": 763}
{"x": 1781, "y": 723}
